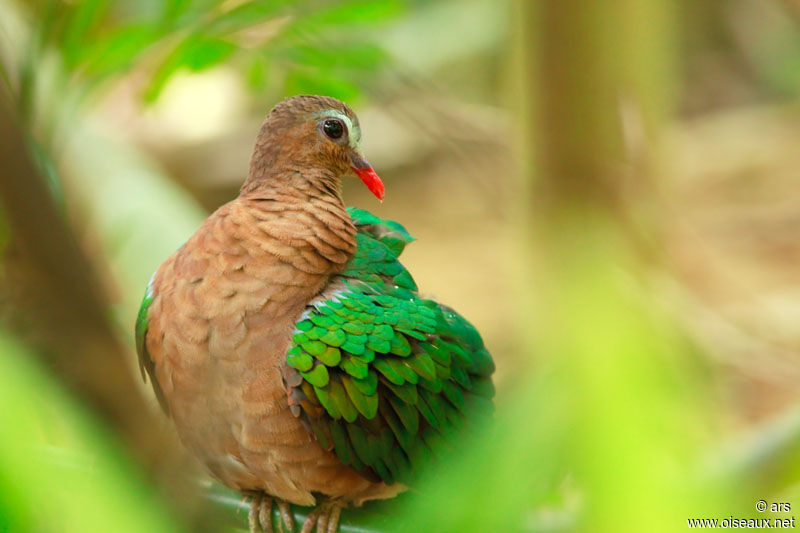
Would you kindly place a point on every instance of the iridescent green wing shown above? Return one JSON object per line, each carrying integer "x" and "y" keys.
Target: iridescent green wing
{"x": 379, "y": 375}
{"x": 145, "y": 361}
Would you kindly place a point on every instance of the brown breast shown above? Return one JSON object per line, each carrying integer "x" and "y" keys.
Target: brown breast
{"x": 220, "y": 323}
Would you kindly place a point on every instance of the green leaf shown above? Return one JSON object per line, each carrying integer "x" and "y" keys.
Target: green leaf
{"x": 246, "y": 15}
{"x": 298, "y": 81}
{"x": 204, "y": 52}
{"x": 196, "y": 52}
{"x": 80, "y": 26}
{"x": 355, "y": 12}
{"x": 116, "y": 52}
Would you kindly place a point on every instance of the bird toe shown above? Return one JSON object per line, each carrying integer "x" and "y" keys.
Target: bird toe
{"x": 287, "y": 519}
{"x": 265, "y": 514}
{"x": 253, "y": 513}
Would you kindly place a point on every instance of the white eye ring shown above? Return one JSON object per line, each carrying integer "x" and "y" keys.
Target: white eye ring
{"x": 353, "y": 132}
{"x": 334, "y": 128}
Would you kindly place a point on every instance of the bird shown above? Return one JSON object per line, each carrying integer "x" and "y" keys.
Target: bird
{"x": 292, "y": 349}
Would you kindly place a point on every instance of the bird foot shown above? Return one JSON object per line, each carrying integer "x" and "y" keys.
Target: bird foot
{"x": 325, "y": 517}
{"x": 259, "y": 517}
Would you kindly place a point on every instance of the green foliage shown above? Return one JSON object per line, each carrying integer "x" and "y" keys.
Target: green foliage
{"x": 59, "y": 471}
{"x": 280, "y": 47}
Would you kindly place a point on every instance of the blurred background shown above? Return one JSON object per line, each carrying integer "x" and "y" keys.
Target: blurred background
{"x": 607, "y": 190}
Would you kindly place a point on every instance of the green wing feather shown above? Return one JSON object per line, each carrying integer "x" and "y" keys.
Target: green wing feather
{"x": 145, "y": 362}
{"x": 380, "y": 375}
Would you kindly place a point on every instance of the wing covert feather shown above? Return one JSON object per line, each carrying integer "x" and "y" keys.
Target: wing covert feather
{"x": 378, "y": 374}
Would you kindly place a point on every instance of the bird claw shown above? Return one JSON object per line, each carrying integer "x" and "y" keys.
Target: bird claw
{"x": 259, "y": 518}
{"x": 265, "y": 514}
{"x": 252, "y": 515}
{"x": 286, "y": 516}
{"x": 325, "y": 517}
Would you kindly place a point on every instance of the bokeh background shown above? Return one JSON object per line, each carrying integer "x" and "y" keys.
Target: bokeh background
{"x": 607, "y": 190}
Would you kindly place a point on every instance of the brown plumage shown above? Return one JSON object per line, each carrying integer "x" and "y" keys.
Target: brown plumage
{"x": 225, "y": 304}
{"x": 290, "y": 345}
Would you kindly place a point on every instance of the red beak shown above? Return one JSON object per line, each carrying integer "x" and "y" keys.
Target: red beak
{"x": 371, "y": 180}
{"x": 368, "y": 175}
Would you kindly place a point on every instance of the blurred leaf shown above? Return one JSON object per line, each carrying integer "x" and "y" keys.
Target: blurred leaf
{"x": 345, "y": 57}
{"x": 99, "y": 40}
{"x": 106, "y": 494}
{"x": 355, "y": 12}
{"x": 319, "y": 82}
{"x": 245, "y": 15}
{"x": 174, "y": 10}
{"x": 781, "y": 67}
{"x": 257, "y": 74}
{"x": 80, "y": 28}
{"x": 196, "y": 53}
{"x": 205, "y": 52}
{"x": 116, "y": 53}
{"x": 140, "y": 216}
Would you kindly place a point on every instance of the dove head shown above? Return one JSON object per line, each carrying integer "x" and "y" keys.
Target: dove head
{"x": 311, "y": 138}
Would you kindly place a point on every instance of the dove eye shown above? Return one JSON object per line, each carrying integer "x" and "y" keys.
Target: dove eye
{"x": 333, "y": 128}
